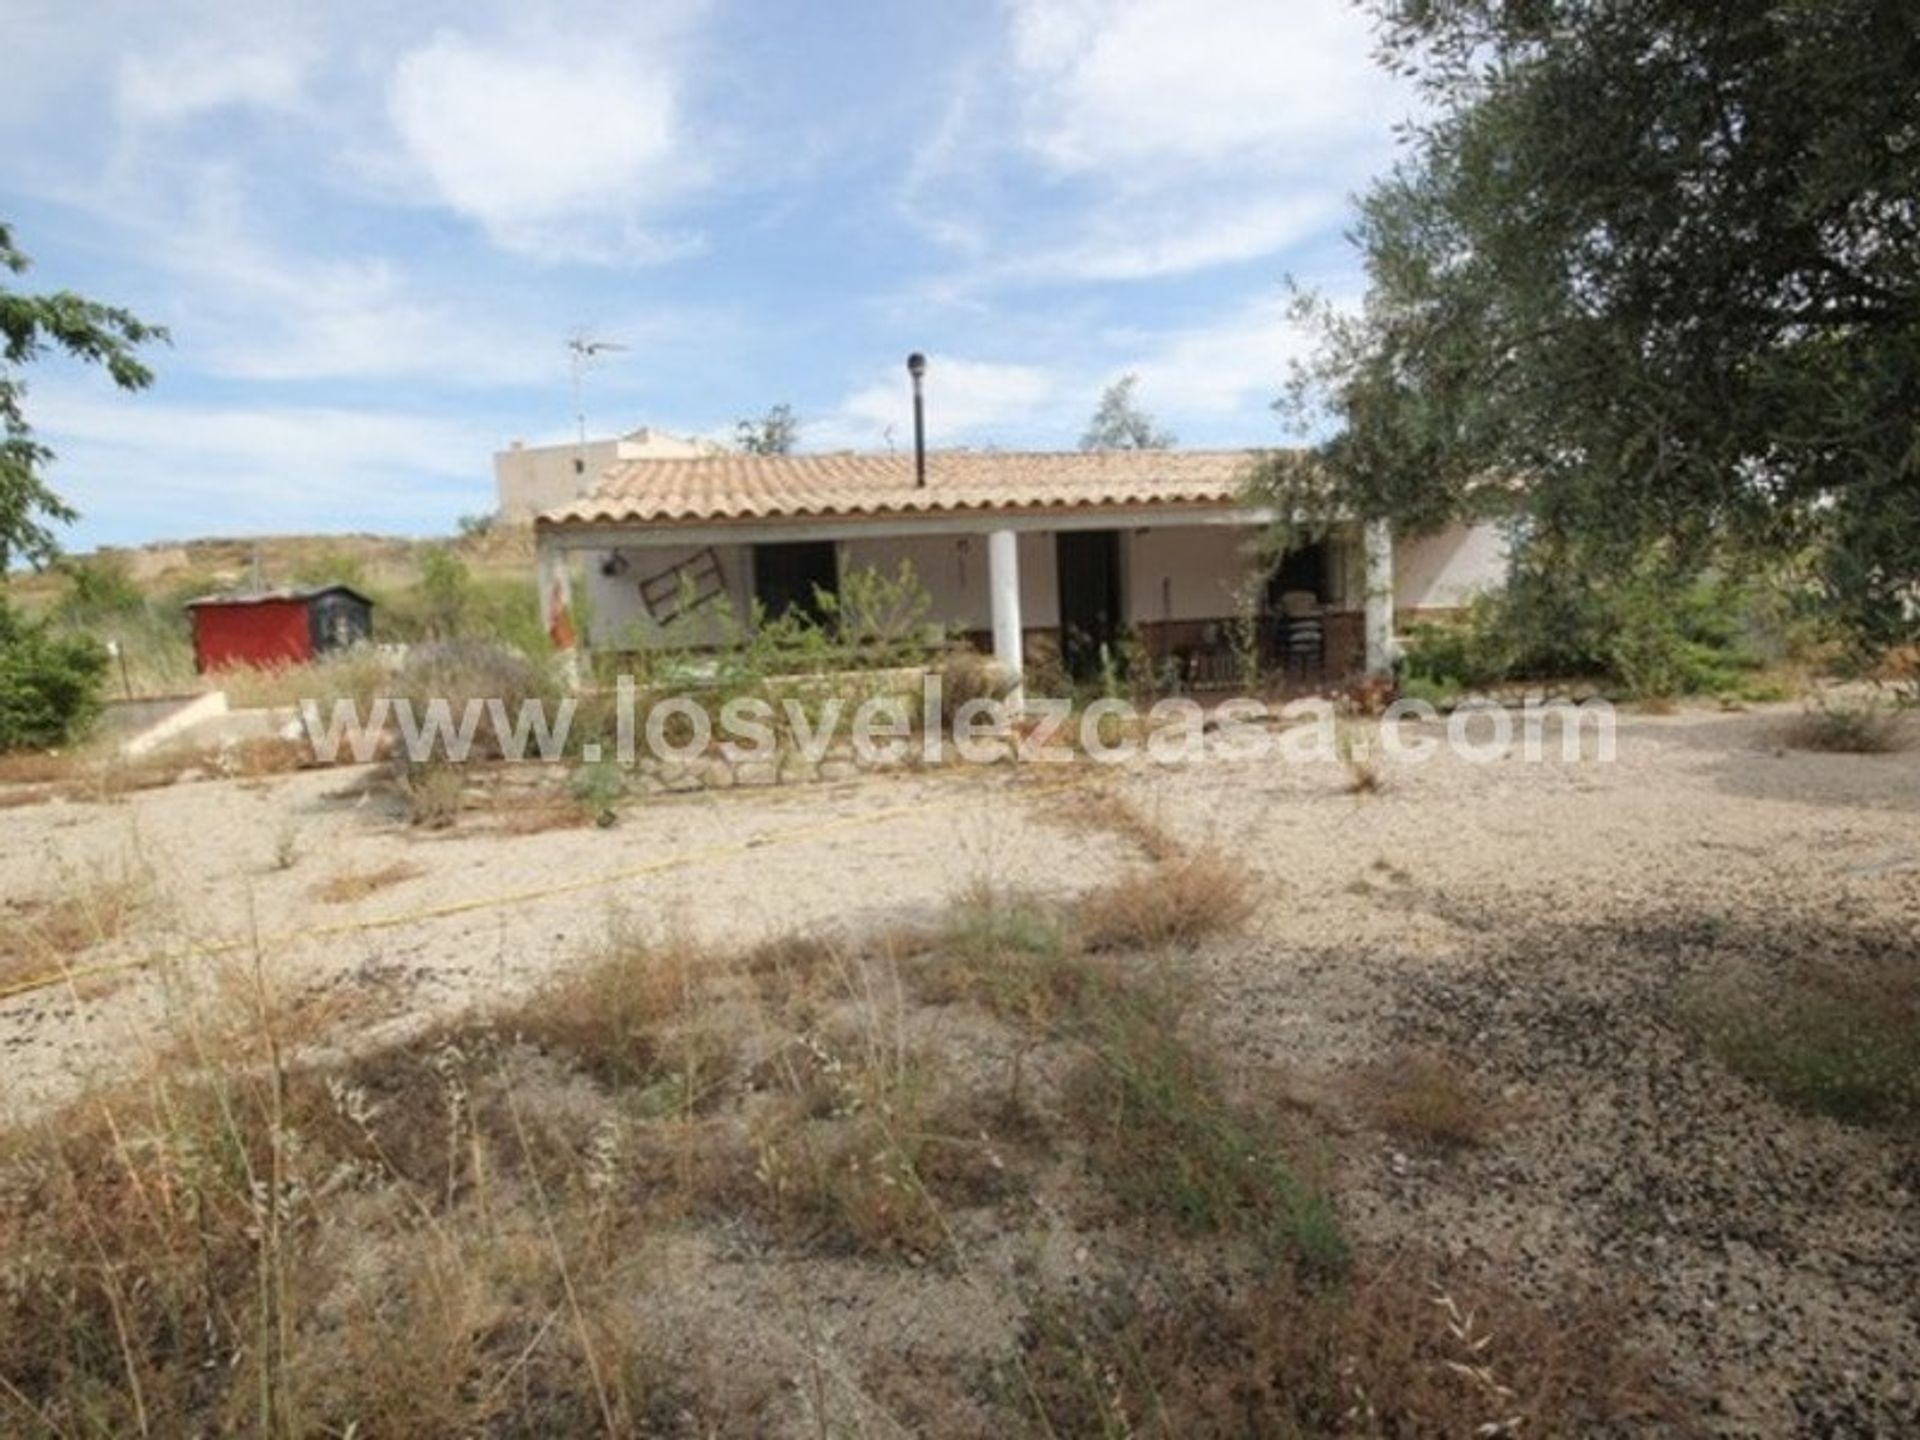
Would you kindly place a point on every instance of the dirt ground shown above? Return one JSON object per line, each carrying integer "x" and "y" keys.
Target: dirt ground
{"x": 1545, "y": 921}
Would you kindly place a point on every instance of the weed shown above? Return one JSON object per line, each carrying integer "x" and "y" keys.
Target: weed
{"x": 1165, "y": 1141}
{"x": 1360, "y": 757}
{"x": 1839, "y": 1040}
{"x": 1102, "y": 808}
{"x": 1853, "y": 727}
{"x": 1177, "y": 902}
{"x": 614, "y": 1018}
{"x": 435, "y": 794}
{"x": 42, "y": 936}
{"x": 1390, "y": 1353}
{"x": 597, "y": 788}
{"x": 1424, "y": 1099}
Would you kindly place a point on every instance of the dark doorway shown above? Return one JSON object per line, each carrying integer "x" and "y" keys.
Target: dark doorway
{"x": 1089, "y": 566}
{"x": 1294, "y": 629}
{"x": 1305, "y": 570}
{"x": 788, "y": 578}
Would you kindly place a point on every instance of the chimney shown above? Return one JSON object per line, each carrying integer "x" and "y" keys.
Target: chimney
{"x": 917, "y": 368}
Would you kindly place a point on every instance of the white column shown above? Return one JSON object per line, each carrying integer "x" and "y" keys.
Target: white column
{"x": 1377, "y": 541}
{"x": 1003, "y": 575}
{"x": 556, "y": 611}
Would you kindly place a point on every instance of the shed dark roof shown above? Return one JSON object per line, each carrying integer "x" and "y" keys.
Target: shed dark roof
{"x": 261, "y": 597}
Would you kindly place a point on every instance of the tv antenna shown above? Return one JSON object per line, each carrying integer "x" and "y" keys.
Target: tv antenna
{"x": 583, "y": 350}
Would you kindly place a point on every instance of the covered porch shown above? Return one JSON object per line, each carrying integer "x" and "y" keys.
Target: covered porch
{"x": 1067, "y": 591}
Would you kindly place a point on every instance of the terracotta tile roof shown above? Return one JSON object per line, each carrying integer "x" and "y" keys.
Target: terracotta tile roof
{"x": 738, "y": 488}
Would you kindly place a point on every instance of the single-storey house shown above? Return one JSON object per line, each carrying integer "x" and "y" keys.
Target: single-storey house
{"x": 1065, "y": 550}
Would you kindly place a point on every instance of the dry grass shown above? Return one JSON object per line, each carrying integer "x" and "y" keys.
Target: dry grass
{"x": 1099, "y": 807}
{"x": 1168, "y": 1142}
{"x": 1837, "y": 1036}
{"x": 465, "y": 1233}
{"x": 347, "y": 886}
{"x": 435, "y": 794}
{"x": 42, "y": 767}
{"x": 354, "y": 675}
{"x": 1177, "y": 902}
{"x": 545, "y": 813}
{"x": 1359, "y": 753}
{"x": 1851, "y": 727}
{"x": 1425, "y": 1100}
{"x": 43, "y": 936}
{"x": 1403, "y": 1350}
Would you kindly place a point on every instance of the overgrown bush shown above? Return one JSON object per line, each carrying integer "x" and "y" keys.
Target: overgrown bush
{"x": 967, "y": 675}
{"x": 461, "y": 672}
{"x": 1645, "y": 632}
{"x": 1852, "y": 726}
{"x": 49, "y": 683}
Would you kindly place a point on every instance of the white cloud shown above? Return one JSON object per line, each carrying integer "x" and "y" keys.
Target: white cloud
{"x": 1130, "y": 245}
{"x": 1236, "y": 364}
{"x": 251, "y": 309}
{"x": 193, "y": 79}
{"x": 1160, "y": 137}
{"x": 1120, "y": 85}
{"x": 552, "y": 147}
{"x": 968, "y": 401}
{"x": 139, "y": 467}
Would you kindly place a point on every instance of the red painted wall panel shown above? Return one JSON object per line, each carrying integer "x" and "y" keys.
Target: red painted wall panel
{"x": 266, "y": 632}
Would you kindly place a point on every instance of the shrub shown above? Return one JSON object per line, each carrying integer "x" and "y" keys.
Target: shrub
{"x": 1426, "y": 1100}
{"x": 464, "y": 671}
{"x": 968, "y": 675}
{"x": 1647, "y": 631}
{"x": 1854, "y": 727}
{"x": 49, "y": 683}
{"x": 101, "y": 588}
{"x": 1840, "y": 1039}
{"x": 1179, "y": 901}
{"x": 1168, "y": 1143}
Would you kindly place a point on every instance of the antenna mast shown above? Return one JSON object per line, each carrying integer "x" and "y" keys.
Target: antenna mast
{"x": 582, "y": 351}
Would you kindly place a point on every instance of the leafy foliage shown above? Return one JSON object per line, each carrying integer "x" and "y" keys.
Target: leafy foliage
{"x": 30, "y": 326}
{"x": 774, "y": 433}
{"x": 1120, "y": 424}
{"x": 1651, "y": 273}
{"x": 1642, "y": 632}
{"x": 49, "y": 683}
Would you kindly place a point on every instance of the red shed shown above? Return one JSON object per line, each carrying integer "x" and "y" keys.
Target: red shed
{"x": 277, "y": 627}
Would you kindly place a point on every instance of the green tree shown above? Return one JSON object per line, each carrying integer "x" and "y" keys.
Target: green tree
{"x": 30, "y": 327}
{"x": 775, "y": 433}
{"x": 49, "y": 684}
{"x": 446, "y": 588}
{"x": 1118, "y": 422}
{"x": 1648, "y": 272}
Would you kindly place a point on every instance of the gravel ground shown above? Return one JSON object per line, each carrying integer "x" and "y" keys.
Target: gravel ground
{"x": 1541, "y": 922}
{"x": 1545, "y": 925}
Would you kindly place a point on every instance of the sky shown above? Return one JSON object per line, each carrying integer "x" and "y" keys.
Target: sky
{"x": 373, "y": 228}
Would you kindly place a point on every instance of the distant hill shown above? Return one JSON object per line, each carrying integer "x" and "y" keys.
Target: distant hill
{"x": 221, "y": 563}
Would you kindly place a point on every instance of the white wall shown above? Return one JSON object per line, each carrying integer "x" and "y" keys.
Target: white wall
{"x": 953, "y": 568}
{"x": 1191, "y": 572}
{"x": 1449, "y": 568}
{"x": 530, "y": 478}
{"x": 617, "y": 616}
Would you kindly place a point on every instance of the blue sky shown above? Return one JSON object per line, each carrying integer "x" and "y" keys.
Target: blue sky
{"x": 372, "y": 228}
